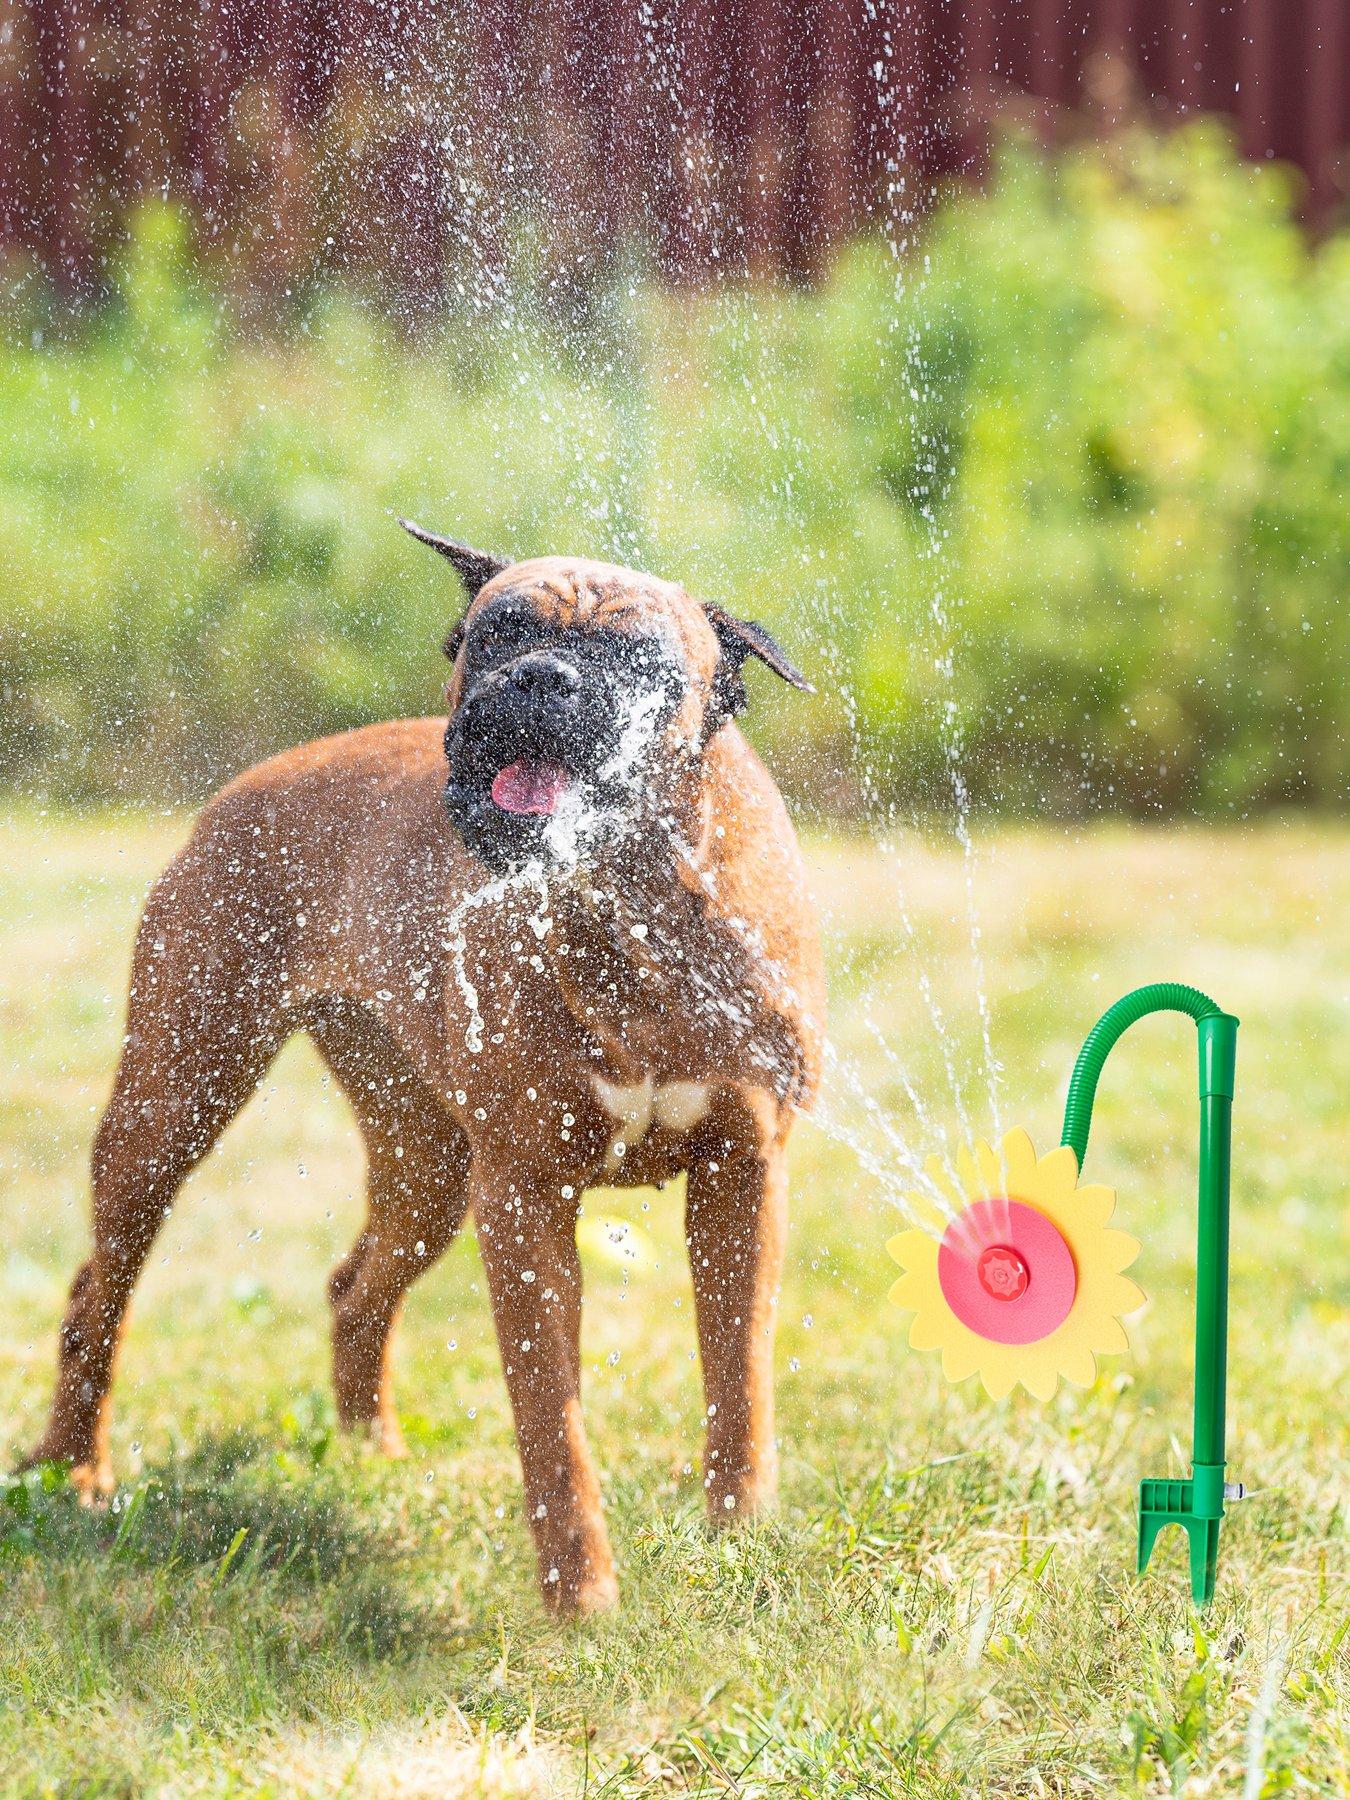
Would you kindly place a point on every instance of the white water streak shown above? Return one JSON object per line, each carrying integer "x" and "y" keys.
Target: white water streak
{"x": 1259, "y": 1724}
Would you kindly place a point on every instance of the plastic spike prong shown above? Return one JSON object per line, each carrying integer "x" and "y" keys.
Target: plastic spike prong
{"x": 1197, "y": 1506}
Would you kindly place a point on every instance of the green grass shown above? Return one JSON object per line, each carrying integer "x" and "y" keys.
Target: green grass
{"x": 944, "y": 1603}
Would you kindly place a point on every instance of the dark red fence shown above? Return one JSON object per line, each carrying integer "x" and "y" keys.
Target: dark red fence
{"x": 415, "y": 141}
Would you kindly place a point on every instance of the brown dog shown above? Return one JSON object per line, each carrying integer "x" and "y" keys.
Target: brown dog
{"x": 601, "y": 965}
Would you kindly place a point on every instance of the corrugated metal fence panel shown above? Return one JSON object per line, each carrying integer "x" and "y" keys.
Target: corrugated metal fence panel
{"x": 399, "y": 139}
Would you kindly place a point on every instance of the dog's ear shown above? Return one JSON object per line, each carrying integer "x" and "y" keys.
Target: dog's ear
{"x": 740, "y": 638}
{"x": 475, "y": 569}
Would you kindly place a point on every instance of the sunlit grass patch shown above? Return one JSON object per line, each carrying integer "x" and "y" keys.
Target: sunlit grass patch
{"x": 943, "y": 1605}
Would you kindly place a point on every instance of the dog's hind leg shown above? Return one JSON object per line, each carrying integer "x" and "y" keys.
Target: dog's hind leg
{"x": 203, "y": 1022}
{"x": 417, "y": 1164}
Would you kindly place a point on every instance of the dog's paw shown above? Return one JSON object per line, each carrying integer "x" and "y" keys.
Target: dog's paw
{"x": 728, "y": 1508}
{"x": 592, "y": 1595}
{"x": 91, "y": 1477}
{"x": 387, "y": 1436}
{"x": 383, "y": 1434}
{"x": 93, "y": 1482}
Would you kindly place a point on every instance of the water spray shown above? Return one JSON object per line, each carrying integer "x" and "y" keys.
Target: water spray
{"x": 1020, "y": 1279}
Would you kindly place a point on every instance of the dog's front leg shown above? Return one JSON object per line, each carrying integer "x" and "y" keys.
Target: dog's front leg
{"x": 736, "y": 1224}
{"x": 527, "y": 1235}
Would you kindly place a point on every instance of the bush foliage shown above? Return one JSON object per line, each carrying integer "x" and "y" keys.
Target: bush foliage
{"x": 1054, "y": 505}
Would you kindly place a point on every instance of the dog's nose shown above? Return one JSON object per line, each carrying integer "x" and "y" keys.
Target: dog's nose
{"x": 544, "y": 676}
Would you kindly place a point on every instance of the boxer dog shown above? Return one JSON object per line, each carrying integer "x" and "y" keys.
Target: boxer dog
{"x": 588, "y": 955}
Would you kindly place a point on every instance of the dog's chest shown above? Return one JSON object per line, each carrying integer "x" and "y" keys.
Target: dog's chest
{"x": 638, "y": 1109}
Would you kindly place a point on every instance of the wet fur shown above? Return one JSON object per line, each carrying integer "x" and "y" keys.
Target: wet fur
{"x": 316, "y": 894}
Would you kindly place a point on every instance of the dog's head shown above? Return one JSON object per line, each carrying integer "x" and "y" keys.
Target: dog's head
{"x": 582, "y": 693}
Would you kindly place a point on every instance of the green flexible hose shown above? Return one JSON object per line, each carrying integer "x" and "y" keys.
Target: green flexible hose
{"x": 1158, "y": 996}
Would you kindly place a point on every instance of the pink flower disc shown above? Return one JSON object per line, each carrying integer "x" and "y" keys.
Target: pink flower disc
{"x": 1006, "y": 1271}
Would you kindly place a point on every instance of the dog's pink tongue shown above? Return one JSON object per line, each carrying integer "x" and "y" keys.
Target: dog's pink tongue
{"x": 529, "y": 787}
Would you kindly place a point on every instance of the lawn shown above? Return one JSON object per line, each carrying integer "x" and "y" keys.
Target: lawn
{"x": 944, "y": 1604}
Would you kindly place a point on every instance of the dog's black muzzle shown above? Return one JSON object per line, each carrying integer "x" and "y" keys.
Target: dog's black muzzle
{"x": 529, "y": 741}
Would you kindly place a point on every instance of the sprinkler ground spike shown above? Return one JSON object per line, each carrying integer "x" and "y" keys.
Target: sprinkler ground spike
{"x": 1195, "y": 1504}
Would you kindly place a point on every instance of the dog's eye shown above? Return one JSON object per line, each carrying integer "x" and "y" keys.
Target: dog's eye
{"x": 644, "y": 655}
{"x": 508, "y": 633}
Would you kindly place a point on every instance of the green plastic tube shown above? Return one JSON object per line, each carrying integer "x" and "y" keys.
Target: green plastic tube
{"x": 1196, "y": 1504}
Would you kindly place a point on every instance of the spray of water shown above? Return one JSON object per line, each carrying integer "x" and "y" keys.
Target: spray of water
{"x": 615, "y": 491}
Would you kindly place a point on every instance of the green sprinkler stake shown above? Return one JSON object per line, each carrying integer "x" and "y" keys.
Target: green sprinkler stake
{"x": 1017, "y": 1275}
{"x": 1196, "y": 1504}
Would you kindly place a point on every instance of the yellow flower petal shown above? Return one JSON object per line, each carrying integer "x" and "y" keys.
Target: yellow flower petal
{"x": 1057, "y": 1174}
{"x": 911, "y": 1249}
{"x": 1126, "y": 1298}
{"x": 1108, "y": 1336}
{"x": 992, "y": 1169}
{"x": 947, "y": 1185}
{"x": 1038, "y": 1373}
{"x": 1094, "y": 1204}
{"x": 1117, "y": 1250}
{"x": 961, "y": 1356}
{"x": 999, "y": 1378}
{"x": 972, "y": 1185}
{"x": 930, "y": 1213}
{"x": 931, "y": 1328}
{"x": 1078, "y": 1365}
{"x": 1019, "y": 1155}
{"x": 914, "y": 1290}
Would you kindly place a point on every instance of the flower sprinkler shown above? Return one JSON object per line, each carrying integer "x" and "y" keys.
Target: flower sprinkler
{"x": 1021, "y": 1278}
